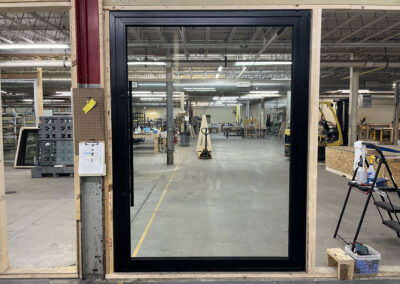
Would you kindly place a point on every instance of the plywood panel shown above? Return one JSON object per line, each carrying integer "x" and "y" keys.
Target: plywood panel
{"x": 340, "y": 159}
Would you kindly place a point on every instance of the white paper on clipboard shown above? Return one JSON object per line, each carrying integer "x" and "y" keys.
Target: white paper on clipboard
{"x": 91, "y": 159}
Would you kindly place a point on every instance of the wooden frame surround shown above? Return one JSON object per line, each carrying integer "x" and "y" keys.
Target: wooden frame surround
{"x": 105, "y": 6}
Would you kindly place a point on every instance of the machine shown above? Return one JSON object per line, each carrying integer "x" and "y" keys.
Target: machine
{"x": 329, "y": 133}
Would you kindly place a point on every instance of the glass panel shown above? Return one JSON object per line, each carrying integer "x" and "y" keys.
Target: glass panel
{"x": 233, "y": 85}
{"x": 18, "y": 111}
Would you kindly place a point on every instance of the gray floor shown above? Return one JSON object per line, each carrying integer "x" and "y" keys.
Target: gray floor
{"x": 226, "y": 206}
{"x": 232, "y": 205}
{"x": 332, "y": 190}
{"x": 40, "y": 219}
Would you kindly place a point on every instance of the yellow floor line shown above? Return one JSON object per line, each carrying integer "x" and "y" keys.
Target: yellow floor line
{"x": 143, "y": 236}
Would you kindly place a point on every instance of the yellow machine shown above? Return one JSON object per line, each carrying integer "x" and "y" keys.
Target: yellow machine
{"x": 329, "y": 133}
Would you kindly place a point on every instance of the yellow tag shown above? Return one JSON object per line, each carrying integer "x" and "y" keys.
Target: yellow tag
{"x": 89, "y": 106}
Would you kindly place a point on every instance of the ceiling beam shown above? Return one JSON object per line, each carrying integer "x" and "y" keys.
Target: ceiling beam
{"x": 160, "y": 34}
{"x": 390, "y": 37}
{"x": 182, "y": 32}
{"x": 232, "y": 34}
{"x": 256, "y": 34}
{"x": 26, "y": 28}
{"x": 340, "y": 26}
{"x": 363, "y": 28}
{"x": 46, "y": 22}
{"x": 380, "y": 32}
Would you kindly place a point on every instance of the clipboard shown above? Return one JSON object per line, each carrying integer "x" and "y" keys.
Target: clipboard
{"x": 91, "y": 159}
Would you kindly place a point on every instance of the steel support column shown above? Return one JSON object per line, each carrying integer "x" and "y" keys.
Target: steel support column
{"x": 170, "y": 115}
{"x": 92, "y": 188}
{"x": 353, "y": 99}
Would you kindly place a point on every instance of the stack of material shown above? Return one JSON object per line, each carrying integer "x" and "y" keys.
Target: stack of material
{"x": 202, "y": 145}
{"x": 55, "y": 151}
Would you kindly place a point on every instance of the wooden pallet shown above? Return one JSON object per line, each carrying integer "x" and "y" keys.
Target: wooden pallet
{"x": 345, "y": 264}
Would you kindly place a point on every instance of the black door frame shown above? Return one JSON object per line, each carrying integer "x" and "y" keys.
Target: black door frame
{"x": 299, "y": 20}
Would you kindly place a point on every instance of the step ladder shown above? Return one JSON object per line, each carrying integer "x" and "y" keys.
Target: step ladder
{"x": 380, "y": 196}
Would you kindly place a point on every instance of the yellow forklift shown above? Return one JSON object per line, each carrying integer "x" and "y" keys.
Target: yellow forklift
{"x": 329, "y": 133}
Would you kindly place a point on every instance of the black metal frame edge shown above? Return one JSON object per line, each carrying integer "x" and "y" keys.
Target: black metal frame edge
{"x": 299, "y": 20}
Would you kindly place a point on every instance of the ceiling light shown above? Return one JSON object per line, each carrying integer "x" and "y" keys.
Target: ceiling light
{"x": 219, "y": 68}
{"x": 264, "y": 92}
{"x": 151, "y": 99}
{"x": 35, "y": 63}
{"x": 63, "y": 94}
{"x": 143, "y": 63}
{"x": 227, "y": 98}
{"x": 262, "y": 63}
{"x": 34, "y": 46}
{"x": 217, "y": 76}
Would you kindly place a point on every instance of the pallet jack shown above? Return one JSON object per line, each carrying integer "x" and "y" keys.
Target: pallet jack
{"x": 205, "y": 154}
{"x": 385, "y": 203}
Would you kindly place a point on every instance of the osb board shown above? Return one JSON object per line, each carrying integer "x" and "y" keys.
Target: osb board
{"x": 341, "y": 159}
{"x": 88, "y": 126}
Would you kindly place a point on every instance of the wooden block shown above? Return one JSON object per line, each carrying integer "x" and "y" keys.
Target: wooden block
{"x": 345, "y": 264}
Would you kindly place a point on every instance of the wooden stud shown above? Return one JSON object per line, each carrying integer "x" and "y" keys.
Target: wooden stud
{"x": 74, "y": 84}
{"x": 4, "y": 263}
{"x": 108, "y": 182}
{"x": 40, "y": 272}
{"x": 19, "y": 76}
{"x": 313, "y": 116}
{"x": 248, "y": 6}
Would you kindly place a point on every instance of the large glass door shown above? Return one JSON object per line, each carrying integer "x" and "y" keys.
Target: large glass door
{"x": 241, "y": 78}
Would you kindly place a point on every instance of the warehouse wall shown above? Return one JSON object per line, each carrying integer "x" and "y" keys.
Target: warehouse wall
{"x": 381, "y": 111}
{"x": 218, "y": 114}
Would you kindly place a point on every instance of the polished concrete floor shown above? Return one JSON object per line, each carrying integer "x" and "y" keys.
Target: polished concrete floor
{"x": 332, "y": 190}
{"x": 231, "y": 205}
{"x": 235, "y": 204}
{"x": 40, "y": 219}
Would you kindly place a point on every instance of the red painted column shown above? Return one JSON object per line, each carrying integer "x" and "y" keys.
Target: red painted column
{"x": 87, "y": 43}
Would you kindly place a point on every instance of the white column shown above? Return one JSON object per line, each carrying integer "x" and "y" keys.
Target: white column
{"x": 353, "y": 108}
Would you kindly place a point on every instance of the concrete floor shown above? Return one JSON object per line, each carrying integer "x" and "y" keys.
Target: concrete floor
{"x": 233, "y": 205}
{"x": 40, "y": 219}
{"x": 233, "y": 208}
{"x": 332, "y": 190}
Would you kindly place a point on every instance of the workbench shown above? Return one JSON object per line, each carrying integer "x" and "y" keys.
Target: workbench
{"x": 257, "y": 131}
{"x": 156, "y": 138}
{"x": 238, "y": 131}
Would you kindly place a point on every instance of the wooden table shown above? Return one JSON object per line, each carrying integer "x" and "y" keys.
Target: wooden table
{"x": 156, "y": 138}
{"x": 257, "y": 130}
{"x": 235, "y": 129}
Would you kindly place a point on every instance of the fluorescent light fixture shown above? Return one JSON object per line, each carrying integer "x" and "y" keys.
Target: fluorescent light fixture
{"x": 359, "y": 91}
{"x": 143, "y": 63}
{"x": 262, "y": 63}
{"x": 27, "y": 100}
{"x": 4, "y": 92}
{"x": 151, "y": 99}
{"x": 264, "y": 92}
{"x": 219, "y": 68}
{"x": 225, "y": 98}
{"x": 200, "y": 89}
{"x": 35, "y": 63}
{"x": 63, "y": 94}
{"x": 34, "y": 46}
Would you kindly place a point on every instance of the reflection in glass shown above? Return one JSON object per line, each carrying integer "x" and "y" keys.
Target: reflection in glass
{"x": 239, "y": 80}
